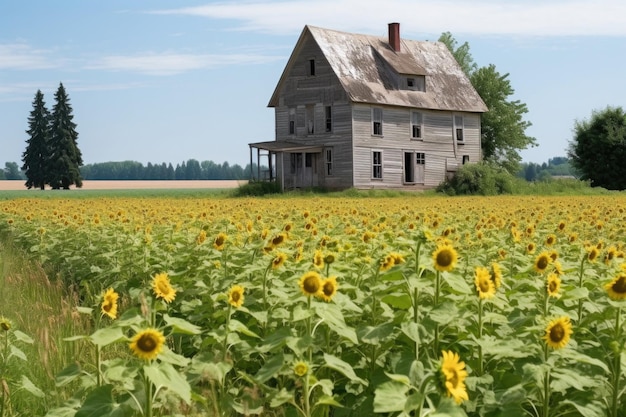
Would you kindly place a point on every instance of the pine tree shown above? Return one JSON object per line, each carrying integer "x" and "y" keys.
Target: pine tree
{"x": 65, "y": 157}
{"x": 35, "y": 157}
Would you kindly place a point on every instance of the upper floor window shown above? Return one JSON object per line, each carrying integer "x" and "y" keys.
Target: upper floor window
{"x": 416, "y": 125}
{"x": 377, "y": 164}
{"x": 377, "y": 121}
{"x": 310, "y": 119}
{"x": 458, "y": 128}
{"x": 311, "y": 67}
{"x": 329, "y": 119}
{"x": 292, "y": 121}
{"x": 416, "y": 83}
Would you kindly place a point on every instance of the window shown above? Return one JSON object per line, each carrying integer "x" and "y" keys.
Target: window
{"x": 310, "y": 119}
{"x": 295, "y": 162}
{"x": 416, "y": 125}
{"x": 292, "y": 121}
{"x": 420, "y": 158}
{"x": 465, "y": 159}
{"x": 329, "y": 119}
{"x": 329, "y": 162}
{"x": 410, "y": 82}
{"x": 377, "y": 164}
{"x": 416, "y": 83}
{"x": 311, "y": 67}
{"x": 458, "y": 128}
{"x": 308, "y": 160}
{"x": 377, "y": 121}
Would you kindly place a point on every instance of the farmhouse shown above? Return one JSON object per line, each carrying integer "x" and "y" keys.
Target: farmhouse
{"x": 365, "y": 111}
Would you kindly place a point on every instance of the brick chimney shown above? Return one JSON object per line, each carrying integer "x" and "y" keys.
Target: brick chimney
{"x": 394, "y": 36}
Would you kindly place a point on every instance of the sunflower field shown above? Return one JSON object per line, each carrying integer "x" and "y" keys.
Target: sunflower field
{"x": 333, "y": 306}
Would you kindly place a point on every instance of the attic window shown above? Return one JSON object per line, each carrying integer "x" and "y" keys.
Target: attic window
{"x": 311, "y": 69}
{"x": 416, "y": 83}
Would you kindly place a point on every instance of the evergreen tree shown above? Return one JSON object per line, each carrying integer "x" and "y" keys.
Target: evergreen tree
{"x": 65, "y": 157}
{"x": 35, "y": 157}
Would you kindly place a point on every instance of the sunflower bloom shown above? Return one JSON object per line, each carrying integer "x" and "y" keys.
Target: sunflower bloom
{"x": 542, "y": 261}
{"x": 300, "y": 368}
{"x": 318, "y": 259}
{"x": 484, "y": 285}
{"x": 617, "y": 287}
{"x": 445, "y": 258}
{"x": 147, "y": 344}
{"x": 5, "y": 324}
{"x": 201, "y": 237}
{"x": 554, "y": 285}
{"x": 592, "y": 254}
{"x": 329, "y": 289}
{"x": 558, "y": 332}
{"x": 220, "y": 241}
{"x": 109, "y": 303}
{"x": 235, "y": 296}
{"x": 279, "y": 260}
{"x": 311, "y": 283}
{"x": 453, "y": 374}
{"x": 496, "y": 275}
{"x": 162, "y": 287}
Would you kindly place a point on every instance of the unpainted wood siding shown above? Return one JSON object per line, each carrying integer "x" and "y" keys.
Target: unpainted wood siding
{"x": 443, "y": 155}
{"x": 304, "y": 95}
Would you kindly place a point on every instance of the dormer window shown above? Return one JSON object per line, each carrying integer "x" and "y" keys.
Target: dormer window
{"x": 416, "y": 83}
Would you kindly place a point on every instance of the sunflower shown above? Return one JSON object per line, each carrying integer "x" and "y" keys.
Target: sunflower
{"x": 550, "y": 240}
{"x": 496, "y": 275}
{"x": 445, "y": 258}
{"x": 329, "y": 288}
{"x": 162, "y": 287}
{"x": 5, "y": 324}
{"x": 558, "y": 332}
{"x": 318, "y": 259}
{"x": 592, "y": 254}
{"x": 553, "y": 285}
{"x": 329, "y": 258}
{"x": 300, "y": 368}
{"x": 220, "y": 241}
{"x": 386, "y": 263}
{"x": 147, "y": 344}
{"x": 279, "y": 260}
{"x": 311, "y": 283}
{"x": 452, "y": 376}
{"x": 109, "y": 303}
{"x": 542, "y": 261}
{"x": 530, "y": 248}
{"x": 278, "y": 240}
{"x": 235, "y": 296}
{"x": 484, "y": 285}
{"x": 617, "y": 287}
{"x": 201, "y": 237}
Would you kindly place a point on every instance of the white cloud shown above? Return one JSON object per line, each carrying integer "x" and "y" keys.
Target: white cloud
{"x": 21, "y": 56}
{"x": 481, "y": 17}
{"x": 173, "y": 63}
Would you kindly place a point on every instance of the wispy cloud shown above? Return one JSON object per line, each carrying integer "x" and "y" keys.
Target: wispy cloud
{"x": 174, "y": 63}
{"x": 21, "y": 56}
{"x": 481, "y": 17}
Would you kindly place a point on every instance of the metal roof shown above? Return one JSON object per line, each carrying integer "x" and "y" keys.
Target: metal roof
{"x": 366, "y": 67}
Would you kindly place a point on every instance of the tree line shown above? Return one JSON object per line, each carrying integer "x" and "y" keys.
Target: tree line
{"x": 52, "y": 156}
{"x": 191, "y": 169}
{"x": 559, "y": 166}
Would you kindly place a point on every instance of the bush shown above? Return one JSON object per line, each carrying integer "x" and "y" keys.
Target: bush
{"x": 257, "y": 188}
{"x": 478, "y": 179}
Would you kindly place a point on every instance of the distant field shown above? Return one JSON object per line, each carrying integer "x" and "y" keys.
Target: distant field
{"x": 137, "y": 185}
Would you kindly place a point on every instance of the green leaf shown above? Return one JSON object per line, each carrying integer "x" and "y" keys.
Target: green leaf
{"x": 327, "y": 400}
{"x": 239, "y": 327}
{"x": 173, "y": 358}
{"x": 403, "y": 379}
{"x": 448, "y": 408}
{"x": 181, "y": 326}
{"x": 84, "y": 310}
{"x": 333, "y": 317}
{"x": 270, "y": 368}
{"x": 390, "y": 397}
{"x": 281, "y": 397}
{"x": 587, "y": 409}
{"x": 444, "y": 313}
{"x": 100, "y": 403}
{"x": 402, "y": 302}
{"x": 17, "y": 352}
{"x": 163, "y": 375}
{"x": 107, "y": 336}
{"x": 339, "y": 365}
{"x": 411, "y": 330}
{"x": 23, "y": 337}
{"x": 67, "y": 375}
{"x": 30, "y": 387}
{"x": 377, "y": 335}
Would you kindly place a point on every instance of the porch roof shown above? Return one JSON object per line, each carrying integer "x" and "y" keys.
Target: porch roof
{"x": 284, "y": 146}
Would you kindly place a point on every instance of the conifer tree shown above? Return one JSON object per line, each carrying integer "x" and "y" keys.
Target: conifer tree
{"x": 35, "y": 157}
{"x": 65, "y": 157}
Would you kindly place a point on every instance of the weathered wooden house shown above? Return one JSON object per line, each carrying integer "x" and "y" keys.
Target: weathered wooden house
{"x": 370, "y": 112}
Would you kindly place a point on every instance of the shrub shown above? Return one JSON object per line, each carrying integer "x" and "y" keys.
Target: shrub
{"x": 257, "y": 188}
{"x": 480, "y": 178}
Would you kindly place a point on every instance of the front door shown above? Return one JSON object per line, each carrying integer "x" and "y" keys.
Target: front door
{"x": 304, "y": 169}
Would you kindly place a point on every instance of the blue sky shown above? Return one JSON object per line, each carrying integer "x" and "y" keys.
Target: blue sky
{"x": 166, "y": 81}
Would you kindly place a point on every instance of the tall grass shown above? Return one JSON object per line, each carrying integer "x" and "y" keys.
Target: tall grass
{"x": 46, "y": 312}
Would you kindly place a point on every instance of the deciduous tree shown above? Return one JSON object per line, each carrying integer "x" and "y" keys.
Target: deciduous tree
{"x": 598, "y": 149}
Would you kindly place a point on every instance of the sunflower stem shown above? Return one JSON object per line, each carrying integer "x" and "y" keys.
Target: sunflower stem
{"x": 226, "y": 331}
{"x": 437, "y": 283}
{"x": 416, "y": 320}
{"x": 309, "y": 332}
{"x": 617, "y": 364}
{"x": 148, "y": 411}
{"x": 546, "y": 384}
{"x": 480, "y": 336}
{"x": 98, "y": 375}
{"x": 580, "y": 285}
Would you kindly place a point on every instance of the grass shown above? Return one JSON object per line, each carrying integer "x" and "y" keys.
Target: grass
{"x": 44, "y": 311}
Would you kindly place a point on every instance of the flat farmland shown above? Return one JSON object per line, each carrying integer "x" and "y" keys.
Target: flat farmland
{"x": 12, "y": 185}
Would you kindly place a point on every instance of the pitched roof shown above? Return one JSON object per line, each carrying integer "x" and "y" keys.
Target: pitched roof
{"x": 367, "y": 67}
